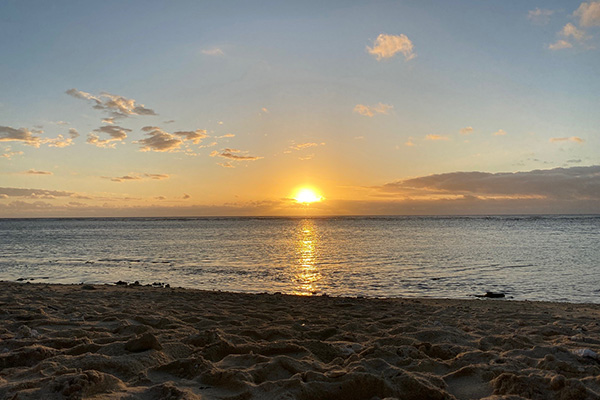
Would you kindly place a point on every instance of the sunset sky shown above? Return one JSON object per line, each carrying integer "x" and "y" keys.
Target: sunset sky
{"x": 181, "y": 108}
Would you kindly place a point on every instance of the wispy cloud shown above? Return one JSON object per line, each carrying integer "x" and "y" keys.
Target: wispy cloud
{"x": 370, "y": 111}
{"x": 235, "y": 155}
{"x": 386, "y": 46}
{"x": 540, "y": 16}
{"x": 467, "y": 130}
{"x": 9, "y": 154}
{"x": 36, "y": 172}
{"x": 302, "y": 146}
{"x": 117, "y": 106}
{"x": 8, "y": 134}
{"x": 436, "y": 137}
{"x": 575, "y": 139}
{"x": 215, "y": 51}
{"x": 499, "y": 132}
{"x": 116, "y": 133}
{"x": 137, "y": 177}
{"x": 33, "y": 193}
{"x": 559, "y": 45}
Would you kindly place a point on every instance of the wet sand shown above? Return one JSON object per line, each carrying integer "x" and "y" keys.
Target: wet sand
{"x": 124, "y": 342}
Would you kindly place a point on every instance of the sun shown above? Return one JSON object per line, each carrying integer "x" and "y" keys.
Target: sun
{"x": 307, "y": 196}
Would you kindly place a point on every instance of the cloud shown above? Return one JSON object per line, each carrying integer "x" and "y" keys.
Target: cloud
{"x": 226, "y": 164}
{"x": 466, "y": 131}
{"x": 215, "y": 51}
{"x": 409, "y": 142}
{"x": 370, "y": 111}
{"x": 8, "y": 134}
{"x": 227, "y": 135}
{"x": 137, "y": 177}
{"x": 9, "y": 154}
{"x": 194, "y": 136}
{"x": 567, "y": 139}
{"x": 386, "y": 46}
{"x": 59, "y": 141}
{"x": 559, "y": 45}
{"x": 306, "y": 145}
{"x": 500, "y": 132}
{"x": 234, "y": 154}
{"x": 162, "y": 141}
{"x": 588, "y": 14}
{"x": 109, "y": 120}
{"x": 116, "y": 133}
{"x": 117, "y": 106}
{"x": 569, "y": 30}
{"x": 540, "y": 16}
{"x": 35, "y": 172}
{"x": 33, "y": 193}
{"x": 73, "y": 133}
{"x": 186, "y": 196}
{"x": 61, "y": 123}
{"x": 436, "y": 137}
{"x": 575, "y": 183}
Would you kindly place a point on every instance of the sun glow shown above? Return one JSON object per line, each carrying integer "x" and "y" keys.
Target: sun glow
{"x": 307, "y": 196}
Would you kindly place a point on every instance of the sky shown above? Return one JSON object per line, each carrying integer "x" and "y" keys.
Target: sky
{"x": 203, "y": 108}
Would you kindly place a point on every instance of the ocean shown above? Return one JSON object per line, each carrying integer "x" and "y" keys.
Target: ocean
{"x": 549, "y": 258}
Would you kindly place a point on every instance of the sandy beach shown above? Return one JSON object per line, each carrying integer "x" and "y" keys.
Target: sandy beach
{"x": 138, "y": 342}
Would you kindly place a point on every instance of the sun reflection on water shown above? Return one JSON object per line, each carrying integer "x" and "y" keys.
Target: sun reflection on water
{"x": 307, "y": 276}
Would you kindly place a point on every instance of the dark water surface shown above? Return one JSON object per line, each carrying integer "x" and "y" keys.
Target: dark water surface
{"x": 537, "y": 258}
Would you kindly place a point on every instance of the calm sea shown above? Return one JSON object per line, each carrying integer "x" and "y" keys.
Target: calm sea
{"x": 553, "y": 258}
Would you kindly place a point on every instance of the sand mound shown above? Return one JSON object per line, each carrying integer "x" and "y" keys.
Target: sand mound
{"x": 73, "y": 342}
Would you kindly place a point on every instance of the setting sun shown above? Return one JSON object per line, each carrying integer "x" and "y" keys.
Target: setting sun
{"x": 307, "y": 196}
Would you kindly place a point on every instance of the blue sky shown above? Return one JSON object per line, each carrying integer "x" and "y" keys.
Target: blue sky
{"x": 278, "y": 84}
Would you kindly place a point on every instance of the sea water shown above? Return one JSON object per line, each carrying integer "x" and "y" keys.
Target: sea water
{"x": 555, "y": 258}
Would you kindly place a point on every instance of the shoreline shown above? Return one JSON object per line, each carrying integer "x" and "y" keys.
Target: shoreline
{"x": 117, "y": 342}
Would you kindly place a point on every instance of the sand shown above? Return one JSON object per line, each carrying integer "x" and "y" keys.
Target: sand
{"x": 124, "y": 342}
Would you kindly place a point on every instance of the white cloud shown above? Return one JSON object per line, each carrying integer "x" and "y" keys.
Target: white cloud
{"x": 588, "y": 14}
{"x": 370, "y": 111}
{"x": 386, "y": 46}
{"x": 540, "y": 16}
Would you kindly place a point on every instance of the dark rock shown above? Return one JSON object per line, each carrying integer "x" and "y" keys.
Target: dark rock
{"x": 491, "y": 295}
{"x": 121, "y": 283}
{"x": 88, "y": 287}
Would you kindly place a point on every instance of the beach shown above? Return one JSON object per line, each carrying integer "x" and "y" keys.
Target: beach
{"x": 142, "y": 342}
